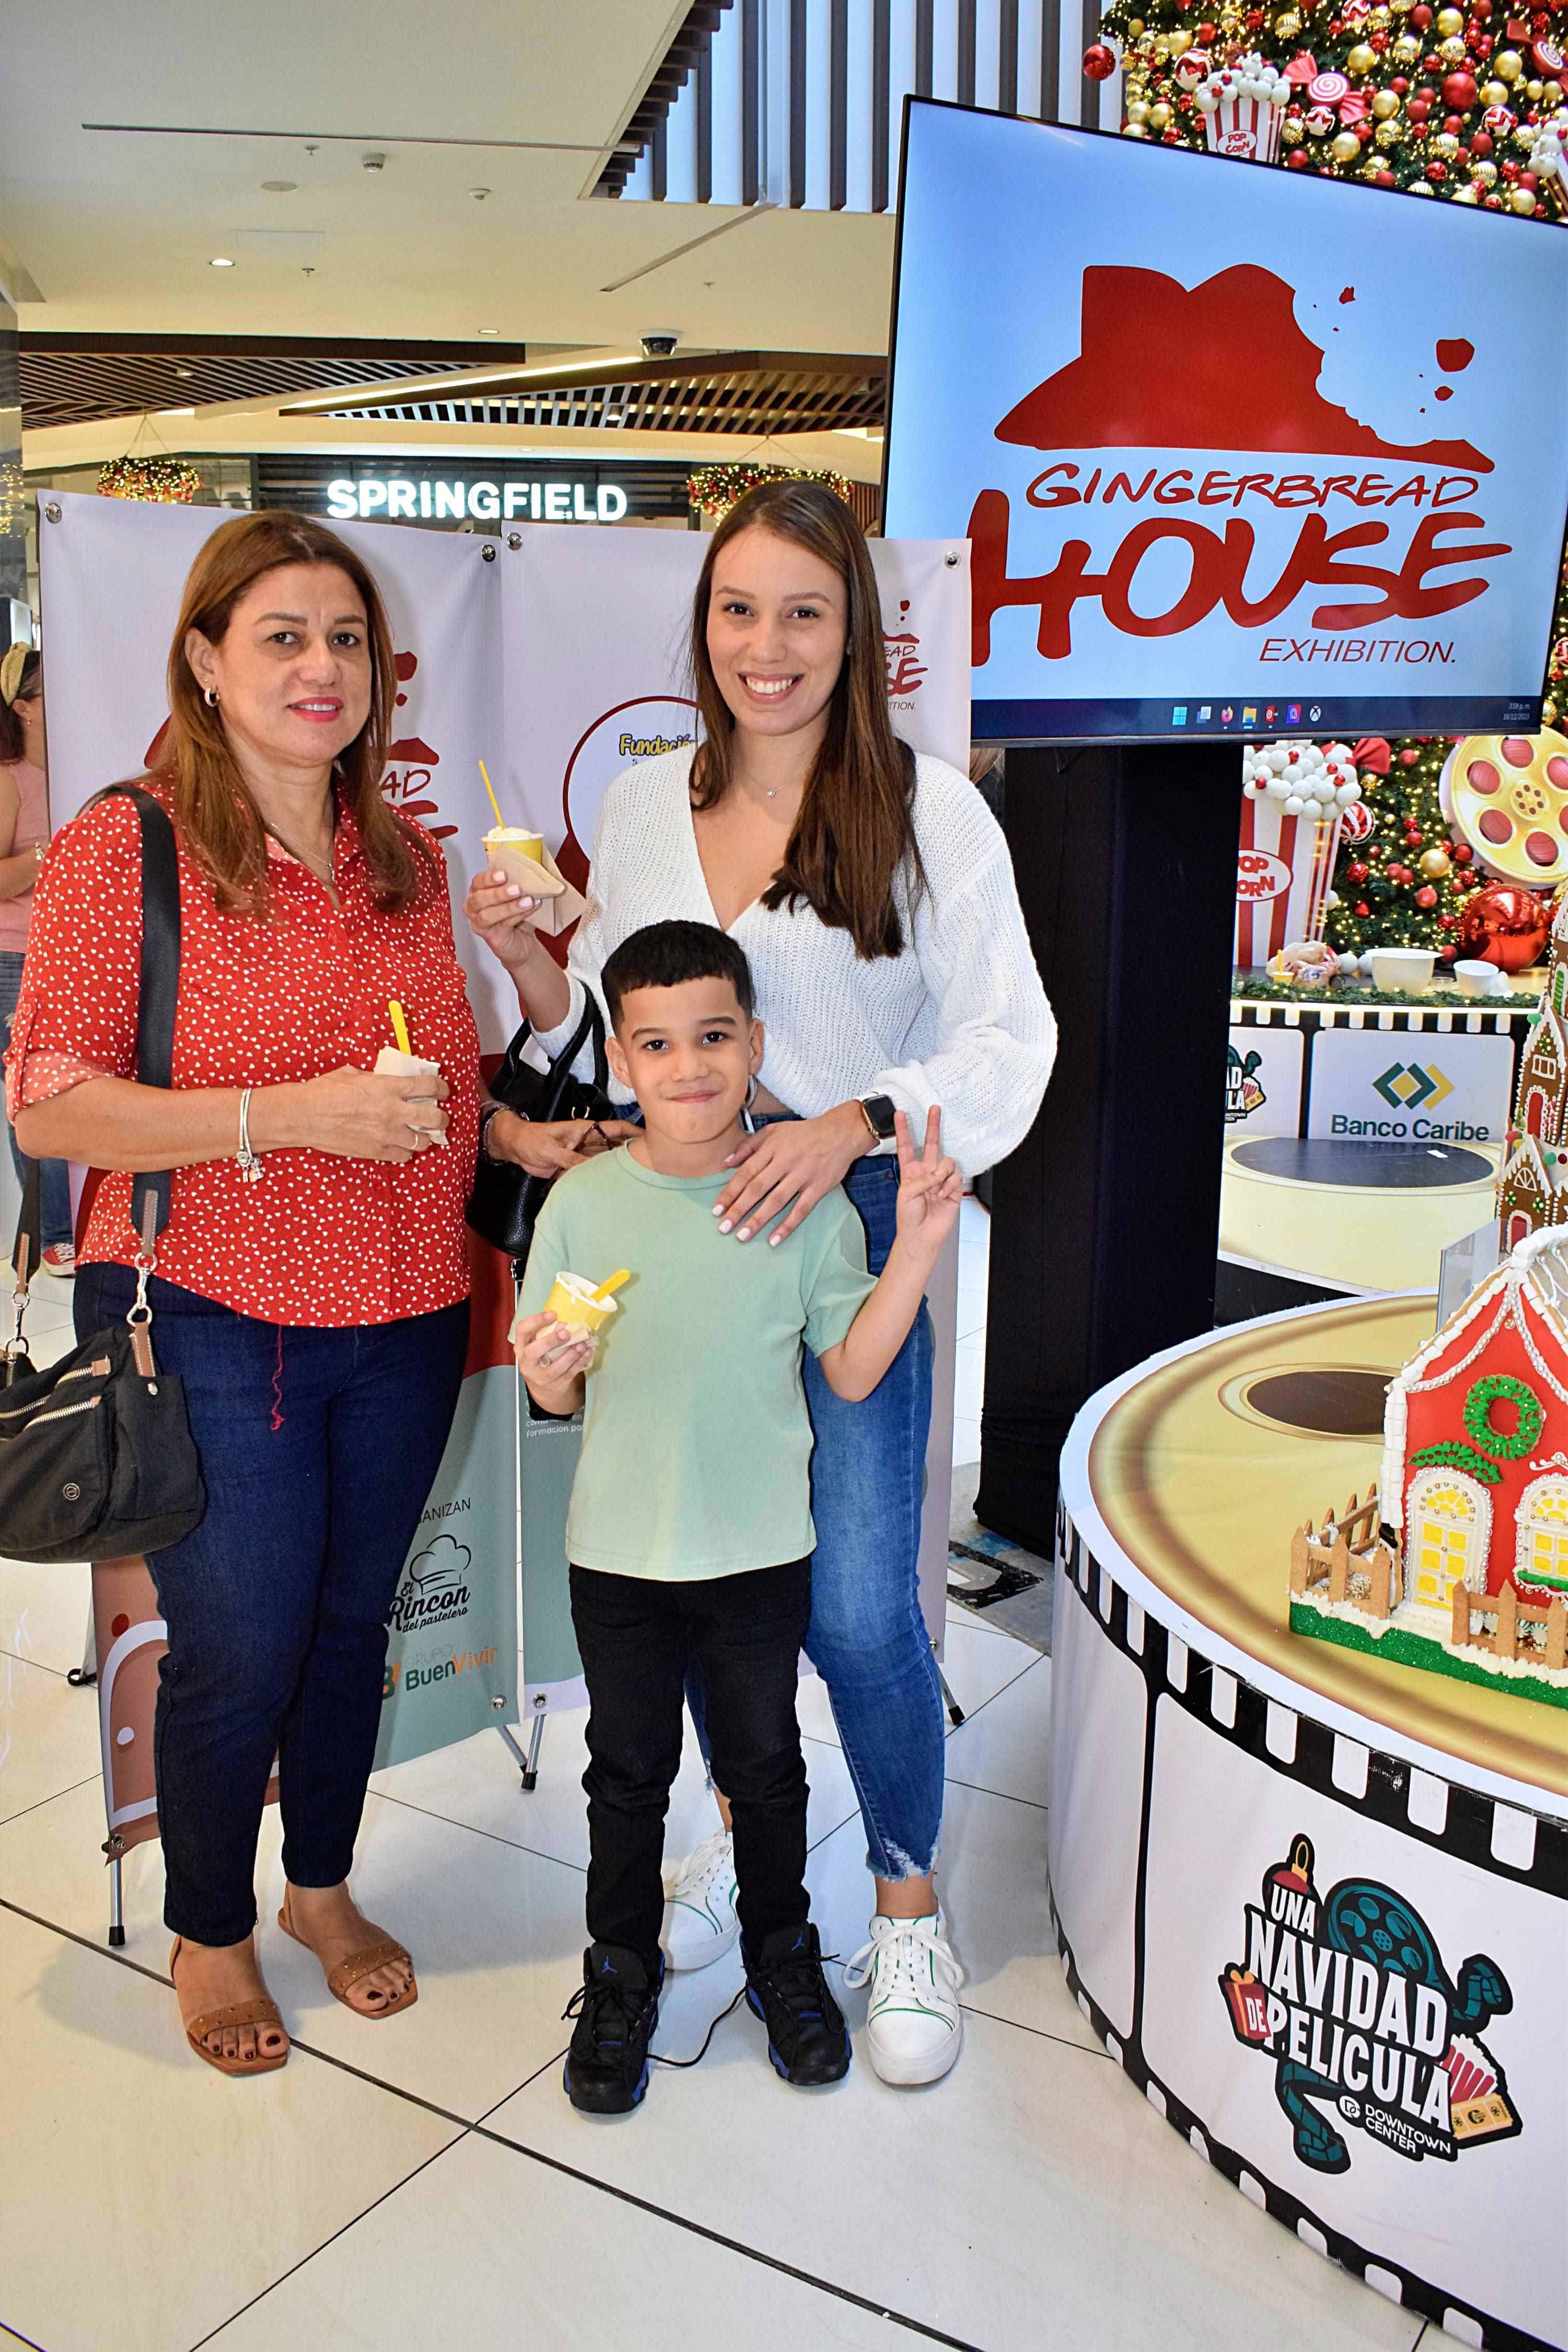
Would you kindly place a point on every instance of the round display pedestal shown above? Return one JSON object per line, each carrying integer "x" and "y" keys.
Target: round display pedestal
{"x": 1316, "y": 1906}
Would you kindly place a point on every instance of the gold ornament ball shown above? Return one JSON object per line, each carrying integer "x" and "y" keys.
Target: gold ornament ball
{"x": 1384, "y": 104}
{"x": 1449, "y": 22}
{"x": 1453, "y": 52}
{"x": 1361, "y": 60}
{"x": 1435, "y": 864}
{"x": 1485, "y": 172}
{"x": 1521, "y": 200}
{"x": 1292, "y": 133}
{"x": 1160, "y": 115}
{"x": 1535, "y": 92}
{"x": 1344, "y": 147}
{"x": 1388, "y": 134}
{"x": 1406, "y": 49}
{"x": 1136, "y": 110}
{"x": 1549, "y": 712}
{"x": 1179, "y": 41}
{"x": 1508, "y": 65}
{"x": 1418, "y": 188}
{"x": 1494, "y": 93}
{"x": 1551, "y": 91}
{"x": 1134, "y": 131}
{"x": 1134, "y": 28}
{"x": 1471, "y": 196}
{"x": 1287, "y": 25}
{"x": 1162, "y": 49}
{"x": 1445, "y": 144}
{"x": 1523, "y": 135}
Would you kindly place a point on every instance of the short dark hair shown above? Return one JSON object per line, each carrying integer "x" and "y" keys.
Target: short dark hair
{"x": 666, "y": 955}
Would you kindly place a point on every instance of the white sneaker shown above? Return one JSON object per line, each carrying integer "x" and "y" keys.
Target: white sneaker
{"x": 914, "y": 2027}
{"x": 700, "y": 1922}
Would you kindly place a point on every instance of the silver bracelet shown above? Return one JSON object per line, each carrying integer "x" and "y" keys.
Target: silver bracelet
{"x": 250, "y": 1166}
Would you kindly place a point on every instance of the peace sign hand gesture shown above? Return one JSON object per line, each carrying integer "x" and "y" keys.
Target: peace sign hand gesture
{"x": 931, "y": 1189}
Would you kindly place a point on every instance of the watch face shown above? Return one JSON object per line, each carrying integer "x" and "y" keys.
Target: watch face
{"x": 879, "y": 1111}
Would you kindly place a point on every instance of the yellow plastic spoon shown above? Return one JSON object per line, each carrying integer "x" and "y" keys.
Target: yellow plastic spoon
{"x": 611, "y": 1281}
{"x": 399, "y": 1027}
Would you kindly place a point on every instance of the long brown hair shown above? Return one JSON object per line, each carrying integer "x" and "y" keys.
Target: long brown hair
{"x": 13, "y": 743}
{"x": 856, "y": 829}
{"x": 215, "y": 815}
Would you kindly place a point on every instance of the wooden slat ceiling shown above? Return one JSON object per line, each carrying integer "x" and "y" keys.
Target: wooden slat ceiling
{"x": 734, "y": 391}
{"x": 83, "y": 379}
{"x": 684, "y": 54}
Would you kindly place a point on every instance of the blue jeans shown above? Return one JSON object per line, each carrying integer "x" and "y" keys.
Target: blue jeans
{"x": 57, "y": 1197}
{"x": 319, "y": 1448}
{"x": 867, "y": 1638}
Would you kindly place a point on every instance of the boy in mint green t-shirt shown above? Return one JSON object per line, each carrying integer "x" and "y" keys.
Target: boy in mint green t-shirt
{"x": 690, "y": 1529}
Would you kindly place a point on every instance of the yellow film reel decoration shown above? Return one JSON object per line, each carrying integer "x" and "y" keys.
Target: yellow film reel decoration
{"x": 1507, "y": 795}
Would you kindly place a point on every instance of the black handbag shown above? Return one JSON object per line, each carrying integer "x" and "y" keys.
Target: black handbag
{"x": 506, "y": 1201}
{"x": 97, "y": 1460}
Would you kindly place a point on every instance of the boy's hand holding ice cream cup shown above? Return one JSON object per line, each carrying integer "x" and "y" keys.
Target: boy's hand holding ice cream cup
{"x": 562, "y": 1339}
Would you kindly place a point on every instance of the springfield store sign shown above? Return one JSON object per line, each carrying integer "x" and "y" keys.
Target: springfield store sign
{"x": 444, "y": 493}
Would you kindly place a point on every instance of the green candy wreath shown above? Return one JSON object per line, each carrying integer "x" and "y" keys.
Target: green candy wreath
{"x": 1478, "y": 1406}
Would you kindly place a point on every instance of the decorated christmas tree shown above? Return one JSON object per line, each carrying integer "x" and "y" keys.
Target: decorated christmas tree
{"x": 1406, "y": 882}
{"x": 1459, "y": 103}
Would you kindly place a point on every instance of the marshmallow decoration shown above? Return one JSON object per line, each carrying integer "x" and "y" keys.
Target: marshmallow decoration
{"x": 1300, "y": 776}
{"x": 1243, "y": 107}
{"x": 1546, "y": 149}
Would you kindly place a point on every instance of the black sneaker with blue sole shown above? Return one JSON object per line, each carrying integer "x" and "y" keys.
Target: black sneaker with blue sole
{"x": 616, "y": 2012}
{"x": 808, "y": 2040}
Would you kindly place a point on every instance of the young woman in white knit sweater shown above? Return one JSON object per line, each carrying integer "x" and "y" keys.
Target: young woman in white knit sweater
{"x": 873, "y": 895}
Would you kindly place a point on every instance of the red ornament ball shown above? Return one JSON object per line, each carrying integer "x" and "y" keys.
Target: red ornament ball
{"x": 1099, "y": 62}
{"x": 1427, "y": 895}
{"x": 1357, "y": 870}
{"x": 1462, "y": 853}
{"x": 1505, "y": 926}
{"x": 1408, "y": 757}
{"x": 1207, "y": 35}
{"x": 1362, "y": 911}
{"x": 1446, "y": 955}
{"x": 1420, "y": 15}
{"x": 1461, "y": 91}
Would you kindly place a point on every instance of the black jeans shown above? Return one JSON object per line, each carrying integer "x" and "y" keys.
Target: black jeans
{"x": 636, "y": 1636}
{"x": 317, "y": 1447}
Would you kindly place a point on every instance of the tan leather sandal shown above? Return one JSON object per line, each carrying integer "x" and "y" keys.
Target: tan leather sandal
{"x": 258, "y": 2011}
{"x": 349, "y": 1972}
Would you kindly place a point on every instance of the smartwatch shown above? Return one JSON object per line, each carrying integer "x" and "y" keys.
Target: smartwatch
{"x": 879, "y": 1112}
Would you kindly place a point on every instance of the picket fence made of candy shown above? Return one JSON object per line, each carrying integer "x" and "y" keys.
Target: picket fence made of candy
{"x": 1462, "y": 1567}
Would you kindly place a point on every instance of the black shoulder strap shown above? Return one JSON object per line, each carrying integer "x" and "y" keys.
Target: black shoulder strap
{"x": 29, "y": 1241}
{"x": 160, "y": 983}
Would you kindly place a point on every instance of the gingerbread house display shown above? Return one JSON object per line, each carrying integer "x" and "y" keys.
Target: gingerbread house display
{"x": 1532, "y": 1186}
{"x": 1468, "y": 1573}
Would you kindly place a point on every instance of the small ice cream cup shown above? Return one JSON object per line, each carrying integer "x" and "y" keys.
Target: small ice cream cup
{"x": 576, "y": 1307}
{"x": 511, "y": 851}
{"x": 391, "y": 1064}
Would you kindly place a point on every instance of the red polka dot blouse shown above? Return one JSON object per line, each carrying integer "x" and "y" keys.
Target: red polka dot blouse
{"x": 319, "y": 1240}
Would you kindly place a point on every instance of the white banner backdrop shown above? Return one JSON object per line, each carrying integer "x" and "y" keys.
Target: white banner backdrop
{"x": 111, "y": 576}
{"x": 596, "y": 674}
{"x": 559, "y": 661}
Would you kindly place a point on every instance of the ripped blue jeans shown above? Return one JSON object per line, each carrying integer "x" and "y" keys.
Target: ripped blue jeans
{"x": 867, "y": 1637}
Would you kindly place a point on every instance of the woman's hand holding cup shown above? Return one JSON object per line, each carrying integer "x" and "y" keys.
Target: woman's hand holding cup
{"x": 356, "y": 1114}
{"x": 501, "y": 914}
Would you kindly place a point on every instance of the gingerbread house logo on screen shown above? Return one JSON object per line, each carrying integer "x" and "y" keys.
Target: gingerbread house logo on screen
{"x": 1198, "y": 483}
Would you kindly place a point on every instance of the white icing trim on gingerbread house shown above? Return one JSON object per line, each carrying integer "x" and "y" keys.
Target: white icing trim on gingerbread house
{"x": 1534, "y": 1275}
{"x": 1548, "y": 1020}
{"x": 1527, "y": 1158}
{"x": 1553, "y": 1484}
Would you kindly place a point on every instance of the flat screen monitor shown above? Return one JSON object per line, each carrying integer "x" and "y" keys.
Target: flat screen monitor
{"x": 1239, "y": 449}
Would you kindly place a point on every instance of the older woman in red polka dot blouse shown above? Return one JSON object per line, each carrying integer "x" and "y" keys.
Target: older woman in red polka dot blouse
{"x": 313, "y": 1282}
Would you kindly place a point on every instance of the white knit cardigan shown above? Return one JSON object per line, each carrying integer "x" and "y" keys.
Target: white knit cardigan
{"x": 960, "y": 1018}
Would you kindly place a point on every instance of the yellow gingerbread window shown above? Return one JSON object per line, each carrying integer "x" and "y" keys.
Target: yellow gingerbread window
{"x": 1449, "y": 1527}
{"x": 1541, "y": 1549}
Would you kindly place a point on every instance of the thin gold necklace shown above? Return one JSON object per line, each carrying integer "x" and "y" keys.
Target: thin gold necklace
{"x": 298, "y": 854}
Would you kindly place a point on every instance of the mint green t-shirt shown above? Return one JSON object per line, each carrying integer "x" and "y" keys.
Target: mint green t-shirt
{"x": 696, "y": 1442}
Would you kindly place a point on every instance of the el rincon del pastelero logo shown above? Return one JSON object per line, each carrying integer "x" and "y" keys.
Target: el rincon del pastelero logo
{"x": 1349, "y": 1995}
{"x": 1387, "y": 532}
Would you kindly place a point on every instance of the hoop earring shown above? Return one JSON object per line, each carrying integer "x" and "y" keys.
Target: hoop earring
{"x": 209, "y": 695}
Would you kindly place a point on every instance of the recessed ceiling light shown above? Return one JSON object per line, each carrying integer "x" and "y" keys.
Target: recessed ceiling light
{"x": 490, "y": 331}
{"x": 279, "y": 187}
{"x": 218, "y": 262}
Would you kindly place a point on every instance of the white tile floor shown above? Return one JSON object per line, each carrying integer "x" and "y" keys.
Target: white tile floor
{"x": 425, "y": 2184}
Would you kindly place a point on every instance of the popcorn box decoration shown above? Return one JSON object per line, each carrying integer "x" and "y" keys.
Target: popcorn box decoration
{"x": 1294, "y": 798}
{"x": 1243, "y": 108}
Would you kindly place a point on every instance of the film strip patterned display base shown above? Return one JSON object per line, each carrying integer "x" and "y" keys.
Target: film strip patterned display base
{"x": 1273, "y": 1927}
